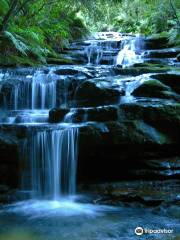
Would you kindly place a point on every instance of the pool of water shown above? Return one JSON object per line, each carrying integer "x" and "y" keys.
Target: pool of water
{"x": 70, "y": 220}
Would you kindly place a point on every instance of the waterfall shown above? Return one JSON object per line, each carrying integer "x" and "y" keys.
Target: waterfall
{"x": 130, "y": 52}
{"x": 94, "y": 53}
{"x": 117, "y": 50}
{"x": 43, "y": 93}
{"x": 36, "y": 91}
{"x": 53, "y": 160}
{"x": 102, "y": 51}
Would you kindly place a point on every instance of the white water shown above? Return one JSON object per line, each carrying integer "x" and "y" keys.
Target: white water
{"x": 67, "y": 207}
{"x": 52, "y": 159}
{"x": 34, "y": 91}
{"x": 43, "y": 91}
{"x": 101, "y": 50}
{"x": 129, "y": 53}
{"x": 114, "y": 49}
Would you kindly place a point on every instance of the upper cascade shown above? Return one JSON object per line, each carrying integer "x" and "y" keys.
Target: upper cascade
{"x": 130, "y": 53}
{"x": 34, "y": 90}
{"x": 110, "y": 48}
{"x": 44, "y": 89}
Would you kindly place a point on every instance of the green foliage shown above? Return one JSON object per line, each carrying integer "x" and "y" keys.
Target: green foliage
{"x": 133, "y": 16}
{"x": 37, "y": 29}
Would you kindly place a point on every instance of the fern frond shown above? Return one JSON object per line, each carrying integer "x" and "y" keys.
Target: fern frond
{"x": 18, "y": 44}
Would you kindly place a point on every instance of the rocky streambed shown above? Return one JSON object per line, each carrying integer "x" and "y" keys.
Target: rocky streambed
{"x": 122, "y": 95}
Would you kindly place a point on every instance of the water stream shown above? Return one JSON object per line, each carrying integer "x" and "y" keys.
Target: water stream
{"x": 54, "y": 209}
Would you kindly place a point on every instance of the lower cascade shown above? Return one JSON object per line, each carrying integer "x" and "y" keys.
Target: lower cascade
{"x": 53, "y": 159}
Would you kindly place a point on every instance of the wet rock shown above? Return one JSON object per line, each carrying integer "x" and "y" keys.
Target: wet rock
{"x": 178, "y": 57}
{"x": 153, "y": 88}
{"x": 90, "y": 93}
{"x": 142, "y": 143}
{"x": 76, "y": 115}
{"x": 60, "y": 61}
{"x": 135, "y": 71}
{"x": 66, "y": 71}
{"x": 8, "y": 160}
{"x": 165, "y": 163}
{"x": 9, "y": 196}
{"x": 165, "y": 117}
{"x": 122, "y": 147}
{"x": 156, "y": 42}
{"x": 57, "y": 114}
{"x": 6, "y": 89}
{"x": 146, "y": 193}
{"x": 102, "y": 114}
{"x": 170, "y": 79}
{"x": 4, "y": 189}
{"x": 163, "y": 53}
{"x": 17, "y": 132}
{"x": 73, "y": 71}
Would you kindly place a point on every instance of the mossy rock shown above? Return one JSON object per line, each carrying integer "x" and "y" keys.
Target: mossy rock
{"x": 13, "y": 61}
{"x": 165, "y": 117}
{"x": 152, "y": 88}
{"x": 90, "y": 94}
{"x": 152, "y": 112}
{"x": 135, "y": 132}
{"x": 171, "y": 79}
{"x": 178, "y": 57}
{"x": 135, "y": 71}
{"x": 59, "y": 61}
{"x": 157, "y": 41}
{"x": 162, "y": 53}
{"x": 148, "y": 65}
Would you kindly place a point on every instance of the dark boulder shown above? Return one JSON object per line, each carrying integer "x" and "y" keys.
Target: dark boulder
{"x": 9, "y": 155}
{"x": 73, "y": 71}
{"x": 141, "y": 192}
{"x": 102, "y": 114}
{"x": 97, "y": 114}
{"x": 66, "y": 71}
{"x": 178, "y": 57}
{"x": 170, "y": 79}
{"x": 57, "y": 114}
{"x": 135, "y": 71}
{"x": 156, "y": 42}
{"x": 90, "y": 93}
{"x": 154, "y": 88}
{"x": 166, "y": 118}
{"x": 121, "y": 149}
{"x": 163, "y": 53}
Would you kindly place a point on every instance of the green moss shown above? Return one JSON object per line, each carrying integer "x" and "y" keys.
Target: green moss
{"x": 153, "y": 88}
{"x": 13, "y": 60}
{"x": 155, "y": 84}
{"x": 159, "y": 36}
{"x": 135, "y": 71}
{"x": 165, "y": 118}
{"x": 59, "y": 61}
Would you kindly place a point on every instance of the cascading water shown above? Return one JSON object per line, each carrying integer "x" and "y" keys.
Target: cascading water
{"x": 52, "y": 159}
{"x": 130, "y": 52}
{"x": 35, "y": 91}
{"x": 117, "y": 50}
{"x": 43, "y": 92}
{"x": 101, "y": 52}
{"x": 48, "y": 152}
